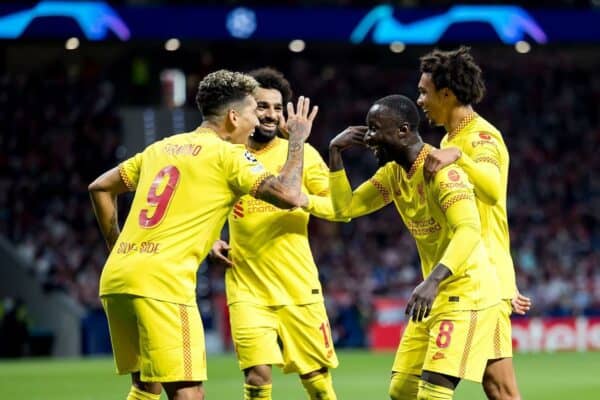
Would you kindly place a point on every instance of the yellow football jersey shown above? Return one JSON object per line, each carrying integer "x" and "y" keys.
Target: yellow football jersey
{"x": 431, "y": 210}
{"x": 272, "y": 260}
{"x": 483, "y": 145}
{"x": 185, "y": 186}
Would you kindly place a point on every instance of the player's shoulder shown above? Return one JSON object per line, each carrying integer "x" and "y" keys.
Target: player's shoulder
{"x": 483, "y": 130}
{"x": 452, "y": 177}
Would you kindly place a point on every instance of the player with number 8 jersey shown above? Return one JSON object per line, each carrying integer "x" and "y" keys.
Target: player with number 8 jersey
{"x": 454, "y": 309}
{"x": 185, "y": 186}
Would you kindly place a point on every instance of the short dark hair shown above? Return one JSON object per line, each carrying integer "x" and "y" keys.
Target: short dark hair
{"x": 270, "y": 78}
{"x": 457, "y": 71}
{"x": 405, "y": 110}
{"x": 221, "y": 88}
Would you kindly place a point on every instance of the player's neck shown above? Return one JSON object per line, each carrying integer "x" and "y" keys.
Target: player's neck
{"x": 256, "y": 145}
{"x": 409, "y": 154}
{"x": 456, "y": 116}
{"x": 207, "y": 124}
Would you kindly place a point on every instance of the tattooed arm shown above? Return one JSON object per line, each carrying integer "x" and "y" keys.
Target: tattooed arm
{"x": 284, "y": 190}
{"x": 103, "y": 193}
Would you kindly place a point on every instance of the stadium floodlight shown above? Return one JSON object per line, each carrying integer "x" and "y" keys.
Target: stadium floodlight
{"x": 72, "y": 43}
{"x": 522, "y": 47}
{"x": 297, "y": 45}
{"x": 172, "y": 44}
{"x": 397, "y": 47}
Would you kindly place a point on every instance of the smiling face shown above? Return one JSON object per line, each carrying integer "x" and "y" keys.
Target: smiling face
{"x": 246, "y": 120}
{"x": 269, "y": 111}
{"x": 433, "y": 102}
{"x": 383, "y": 134}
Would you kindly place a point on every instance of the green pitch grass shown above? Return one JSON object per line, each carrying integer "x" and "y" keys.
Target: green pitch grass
{"x": 361, "y": 375}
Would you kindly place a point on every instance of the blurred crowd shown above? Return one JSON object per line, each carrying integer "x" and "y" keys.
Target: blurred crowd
{"x": 61, "y": 129}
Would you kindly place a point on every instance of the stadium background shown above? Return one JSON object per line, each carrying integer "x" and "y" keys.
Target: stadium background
{"x": 72, "y": 108}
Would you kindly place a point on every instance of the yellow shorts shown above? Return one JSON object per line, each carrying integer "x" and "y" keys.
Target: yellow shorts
{"x": 454, "y": 343}
{"x": 503, "y": 332}
{"x": 163, "y": 341}
{"x": 295, "y": 337}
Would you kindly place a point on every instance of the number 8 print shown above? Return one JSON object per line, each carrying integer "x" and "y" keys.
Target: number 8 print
{"x": 444, "y": 337}
{"x": 159, "y": 200}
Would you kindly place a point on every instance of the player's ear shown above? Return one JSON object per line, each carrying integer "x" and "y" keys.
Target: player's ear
{"x": 233, "y": 117}
{"x": 404, "y": 129}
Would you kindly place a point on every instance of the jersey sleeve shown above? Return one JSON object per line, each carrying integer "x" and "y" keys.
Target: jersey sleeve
{"x": 243, "y": 171}
{"x": 370, "y": 196}
{"x": 130, "y": 171}
{"x": 316, "y": 181}
{"x": 316, "y": 173}
{"x": 481, "y": 161}
{"x": 457, "y": 201}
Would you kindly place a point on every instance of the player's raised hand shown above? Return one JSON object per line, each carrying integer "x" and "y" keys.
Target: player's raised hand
{"x": 421, "y": 300}
{"x": 218, "y": 253}
{"x": 351, "y": 136}
{"x": 520, "y": 304}
{"x": 299, "y": 122}
{"x": 282, "y": 127}
{"x": 439, "y": 158}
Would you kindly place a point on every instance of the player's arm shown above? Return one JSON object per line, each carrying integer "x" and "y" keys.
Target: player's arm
{"x": 103, "y": 193}
{"x": 369, "y": 196}
{"x": 462, "y": 216}
{"x": 316, "y": 181}
{"x": 482, "y": 167}
{"x": 284, "y": 190}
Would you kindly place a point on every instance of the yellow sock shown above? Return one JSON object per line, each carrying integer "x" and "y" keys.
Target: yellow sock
{"x": 429, "y": 391}
{"x": 403, "y": 386}
{"x": 252, "y": 392}
{"x": 319, "y": 387}
{"x": 137, "y": 394}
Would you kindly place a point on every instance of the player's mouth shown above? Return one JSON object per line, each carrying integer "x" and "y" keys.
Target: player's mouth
{"x": 268, "y": 126}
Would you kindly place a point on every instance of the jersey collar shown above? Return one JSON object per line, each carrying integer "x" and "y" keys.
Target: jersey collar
{"x": 419, "y": 160}
{"x": 268, "y": 147}
{"x": 462, "y": 125}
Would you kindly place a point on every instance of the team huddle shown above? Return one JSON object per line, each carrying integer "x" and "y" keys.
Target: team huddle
{"x": 249, "y": 165}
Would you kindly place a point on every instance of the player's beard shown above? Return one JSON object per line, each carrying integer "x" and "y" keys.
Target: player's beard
{"x": 262, "y": 135}
{"x": 382, "y": 155}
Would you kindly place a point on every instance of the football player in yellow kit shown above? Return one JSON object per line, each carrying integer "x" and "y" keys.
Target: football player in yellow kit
{"x": 275, "y": 299}
{"x": 454, "y": 310}
{"x": 450, "y": 84}
{"x": 185, "y": 186}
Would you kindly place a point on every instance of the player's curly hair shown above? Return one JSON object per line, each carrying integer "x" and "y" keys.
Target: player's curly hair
{"x": 221, "y": 88}
{"x": 457, "y": 71}
{"x": 405, "y": 110}
{"x": 270, "y": 78}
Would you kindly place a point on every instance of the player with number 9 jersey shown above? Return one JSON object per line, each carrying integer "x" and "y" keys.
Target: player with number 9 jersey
{"x": 194, "y": 178}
